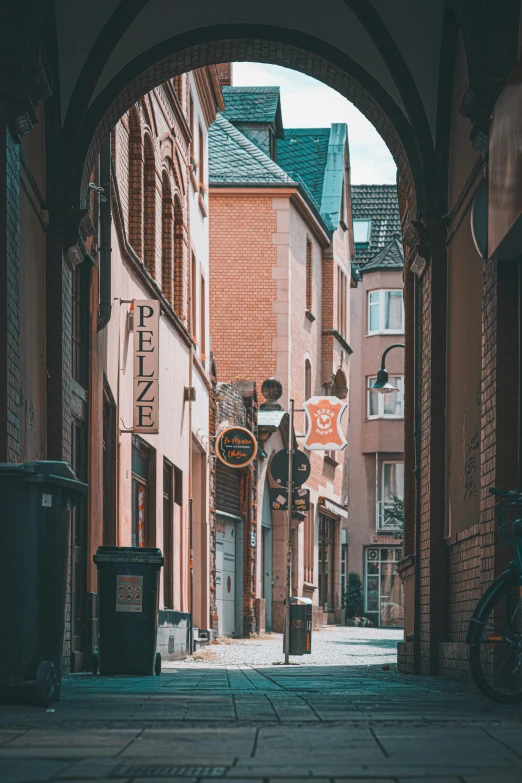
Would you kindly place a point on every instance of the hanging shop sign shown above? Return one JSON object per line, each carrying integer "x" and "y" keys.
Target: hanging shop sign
{"x": 146, "y": 366}
{"x": 323, "y": 424}
{"x": 279, "y": 467}
{"x": 279, "y": 499}
{"x": 236, "y": 447}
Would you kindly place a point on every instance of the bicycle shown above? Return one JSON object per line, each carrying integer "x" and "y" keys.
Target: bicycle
{"x": 495, "y": 629}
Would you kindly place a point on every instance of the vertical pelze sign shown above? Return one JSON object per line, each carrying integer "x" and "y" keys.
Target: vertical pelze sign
{"x": 146, "y": 366}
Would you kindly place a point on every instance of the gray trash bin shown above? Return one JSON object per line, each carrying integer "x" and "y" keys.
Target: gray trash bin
{"x": 37, "y": 499}
{"x": 300, "y": 626}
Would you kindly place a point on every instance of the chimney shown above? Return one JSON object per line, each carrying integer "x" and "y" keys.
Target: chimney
{"x": 225, "y": 74}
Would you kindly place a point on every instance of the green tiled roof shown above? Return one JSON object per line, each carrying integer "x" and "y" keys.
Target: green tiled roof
{"x": 378, "y": 203}
{"x": 253, "y": 104}
{"x": 303, "y": 153}
{"x": 236, "y": 160}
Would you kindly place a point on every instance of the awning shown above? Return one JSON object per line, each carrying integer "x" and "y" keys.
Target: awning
{"x": 332, "y": 509}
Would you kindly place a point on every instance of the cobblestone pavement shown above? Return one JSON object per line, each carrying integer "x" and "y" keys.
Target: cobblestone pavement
{"x": 205, "y": 720}
{"x": 331, "y": 645}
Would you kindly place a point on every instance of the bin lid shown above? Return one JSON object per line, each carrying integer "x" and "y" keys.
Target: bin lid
{"x": 297, "y": 600}
{"x": 129, "y": 554}
{"x": 45, "y": 471}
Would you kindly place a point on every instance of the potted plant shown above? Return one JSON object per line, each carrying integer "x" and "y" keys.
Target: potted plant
{"x": 354, "y": 595}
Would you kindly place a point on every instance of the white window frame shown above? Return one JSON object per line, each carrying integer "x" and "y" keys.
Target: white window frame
{"x": 380, "y": 304}
{"x": 381, "y": 398}
{"x": 383, "y": 472}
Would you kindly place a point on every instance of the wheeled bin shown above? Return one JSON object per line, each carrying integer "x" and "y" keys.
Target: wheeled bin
{"x": 300, "y": 626}
{"x": 128, "y": 596}
{"x": 36, "y": 502}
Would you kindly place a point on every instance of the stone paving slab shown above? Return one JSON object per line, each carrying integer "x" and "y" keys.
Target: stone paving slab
{"x": 265, "y": 723}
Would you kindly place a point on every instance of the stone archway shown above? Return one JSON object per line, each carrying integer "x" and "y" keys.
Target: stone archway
{"x": 273, "y": 45}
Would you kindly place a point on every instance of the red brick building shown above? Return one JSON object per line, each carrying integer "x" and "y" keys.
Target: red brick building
{"x": 280, "y": 249}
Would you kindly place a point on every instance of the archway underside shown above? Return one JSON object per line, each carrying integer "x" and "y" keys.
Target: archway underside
{"x": 119, "y": 99}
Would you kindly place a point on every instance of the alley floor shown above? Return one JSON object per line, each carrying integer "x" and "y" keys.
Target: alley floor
{"x": 326, "y": 719}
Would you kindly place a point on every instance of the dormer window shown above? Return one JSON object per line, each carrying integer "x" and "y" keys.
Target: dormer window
{"x": 362, "y": 231}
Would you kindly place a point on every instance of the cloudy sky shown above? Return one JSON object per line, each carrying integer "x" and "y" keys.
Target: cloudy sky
{"x": 307, "y": 103}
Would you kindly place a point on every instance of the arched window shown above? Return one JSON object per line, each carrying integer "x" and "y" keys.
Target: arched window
{"x": 308, "y": 379}
{"x": 167, "y": 239}
{"x": 135, "y": 180}
{"x": 149, "y": 212}
{"x": 180, "y": 290}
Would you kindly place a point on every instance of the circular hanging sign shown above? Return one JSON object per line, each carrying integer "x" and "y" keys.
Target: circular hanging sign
{"x": 279, "y": 467}
{"x": 236, "y": 447}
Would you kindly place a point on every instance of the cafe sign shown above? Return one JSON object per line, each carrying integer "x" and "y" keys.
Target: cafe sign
{"x": 236, "y": 447}
{"x": 323, "y": 424}
{"x": 146, "y": 366}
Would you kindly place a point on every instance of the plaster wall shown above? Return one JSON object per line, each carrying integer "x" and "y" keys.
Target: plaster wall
{"x": 368, "y": 437}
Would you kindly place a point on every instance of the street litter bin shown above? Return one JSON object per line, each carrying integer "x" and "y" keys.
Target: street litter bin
{"x": 128, "y": 601}
{"x": 300, "y": 626}
{"x": 36, "y": 500}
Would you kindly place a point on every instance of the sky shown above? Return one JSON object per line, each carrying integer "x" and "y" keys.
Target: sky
{"x": 307, "y": 103}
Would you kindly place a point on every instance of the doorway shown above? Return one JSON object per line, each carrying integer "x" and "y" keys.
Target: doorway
{"x": 266, "y": 558}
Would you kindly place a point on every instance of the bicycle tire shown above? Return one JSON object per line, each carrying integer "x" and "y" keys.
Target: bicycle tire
{"x": 499, "y": 594}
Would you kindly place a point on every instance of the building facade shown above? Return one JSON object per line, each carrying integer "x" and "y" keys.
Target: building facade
{"x": 144, "y": 445}
{"x": 281, "y": 247}
{"x": 376, "y": 430}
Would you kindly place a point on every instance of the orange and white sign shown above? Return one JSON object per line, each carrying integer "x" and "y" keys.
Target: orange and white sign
{"x": 323, "y": 424}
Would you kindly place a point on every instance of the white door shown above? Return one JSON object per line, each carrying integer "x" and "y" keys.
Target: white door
{"x": 226, "y": 576}
{"x": 219, "y": 585}
{"x": 229, "y": 579}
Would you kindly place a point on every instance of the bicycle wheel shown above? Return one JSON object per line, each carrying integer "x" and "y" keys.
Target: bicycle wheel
{"x": 496, "y": 657}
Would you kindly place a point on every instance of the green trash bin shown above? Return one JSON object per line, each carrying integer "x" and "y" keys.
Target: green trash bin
{"x": 128, "y": 603}
{"x": 37, "y": 499}
{"x": 300, "y": 626}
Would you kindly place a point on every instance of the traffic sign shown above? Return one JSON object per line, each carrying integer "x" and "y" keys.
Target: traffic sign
{"x": 279, "y": 467}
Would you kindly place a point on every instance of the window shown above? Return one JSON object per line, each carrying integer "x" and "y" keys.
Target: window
{"x": 308, "y": 379}
{"x": 392, "y": 481}
{"x": 109, "y": 467}
{"x": 344, "y": 562}
{"x": 202, "y": 320}
{"x": 142, "y": 492}
{"x": 362, "y": 231}
{"x": 80, "y": 325}
{"x": 309, "y": 541}
{"x": 168, "y": 534}
{"x": 309, "y": 275}
{"x": 383, "y": 595}
{"x": 326, "y": 562}
{"x": 193, "y": 296}
{"x": 386, "y": 406}
{"x": 341, "y": 302}
{"x": 385, "y": 312}
{"x": 201, "y": 162}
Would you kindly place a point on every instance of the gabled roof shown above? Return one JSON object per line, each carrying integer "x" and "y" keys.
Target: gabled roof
{"x": 390, "y": 257}
{"x": 235, "y": 159}
{"x": 315, "y": 157}
{"x": 378, "y": 203}
{"x": 254, "y": 105}
{"x": 303, "y": 153}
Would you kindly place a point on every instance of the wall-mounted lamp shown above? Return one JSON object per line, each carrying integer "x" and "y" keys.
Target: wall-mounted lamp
{"x": 382, "y": 385}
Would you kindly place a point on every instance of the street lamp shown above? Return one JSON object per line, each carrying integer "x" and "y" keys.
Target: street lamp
{"x": 382, "y": 385}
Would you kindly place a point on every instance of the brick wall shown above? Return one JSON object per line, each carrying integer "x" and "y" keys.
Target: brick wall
{"x": 242, "y": 287}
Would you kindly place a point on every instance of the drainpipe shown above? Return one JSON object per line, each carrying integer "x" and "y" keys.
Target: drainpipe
{"x": 105, "y": 304}
{"x": 417, "y": 437}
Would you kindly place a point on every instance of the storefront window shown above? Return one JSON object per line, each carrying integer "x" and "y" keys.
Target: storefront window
{"x": 326, "y": 560}
{"x": 383, "y": 588}
{"x": 141, "y": 495}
